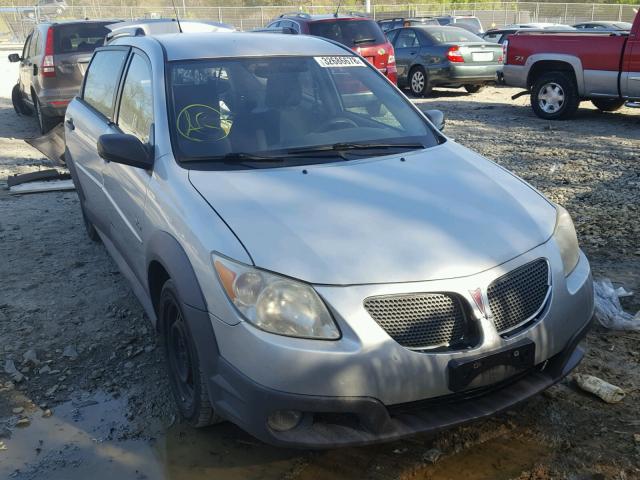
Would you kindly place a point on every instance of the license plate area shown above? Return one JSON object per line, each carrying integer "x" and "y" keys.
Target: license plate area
{"x": 482, "y": 56}
{"x": 463, "y": 371}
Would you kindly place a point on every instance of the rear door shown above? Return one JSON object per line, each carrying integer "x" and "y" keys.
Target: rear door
{"x": 630, "y": 80}
{"x": 74, "y": 44}
{"x": 407, "y": 48}
{"x": 126, "y": 186}
{"x": 88, "y": 117}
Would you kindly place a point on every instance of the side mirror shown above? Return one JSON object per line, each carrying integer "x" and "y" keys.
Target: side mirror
{"x": 436, "y": 117}
{"x": 125, "y": 149}
{"x": 14, "y": 57}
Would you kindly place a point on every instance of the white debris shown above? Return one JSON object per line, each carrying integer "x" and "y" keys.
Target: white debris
{"x": 607, "y": 392}
{"x": 609, "y": 312}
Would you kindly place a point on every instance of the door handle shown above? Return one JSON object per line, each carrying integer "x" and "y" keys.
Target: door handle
{"x": 35, "y": 69}
{"x": 70, "y": 124}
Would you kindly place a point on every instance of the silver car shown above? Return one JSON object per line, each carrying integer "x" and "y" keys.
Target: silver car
{"x": 324, "y": 266}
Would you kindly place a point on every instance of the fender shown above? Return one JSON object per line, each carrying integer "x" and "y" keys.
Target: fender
{"x": 572, "y": 60}
{"x": 165, "y": 249}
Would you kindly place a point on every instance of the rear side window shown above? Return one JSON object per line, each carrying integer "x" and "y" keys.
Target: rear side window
{"x": 136, "y": 104}
{"x": 492, "y": 37}
{"x": 102, "y": 79}
{"x": 474, "y": 23}
{"x": 452, "y": 35}
{"x": 349, "y": 32}
{"x": 79, "y": 38}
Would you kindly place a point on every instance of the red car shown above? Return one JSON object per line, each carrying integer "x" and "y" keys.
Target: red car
{"x": 561, "y": 68}
{"x": 361, "y": 34}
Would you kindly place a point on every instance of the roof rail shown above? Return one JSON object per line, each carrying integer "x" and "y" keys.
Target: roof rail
{"x": 295, "y": 14}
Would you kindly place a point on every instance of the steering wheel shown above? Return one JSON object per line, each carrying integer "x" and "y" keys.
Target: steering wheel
{"x": 336, "y": 123}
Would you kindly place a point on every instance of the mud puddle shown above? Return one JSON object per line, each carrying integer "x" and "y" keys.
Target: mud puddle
{"x": 92, "y": 438}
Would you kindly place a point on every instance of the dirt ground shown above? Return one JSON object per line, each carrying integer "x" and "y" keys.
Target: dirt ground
{"x": 92, "y": 383}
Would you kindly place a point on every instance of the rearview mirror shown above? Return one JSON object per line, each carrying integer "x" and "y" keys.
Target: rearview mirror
{"x": 125, "y": 149}
{"x": 436, "y": 117}
{"x": 14, "y": 57}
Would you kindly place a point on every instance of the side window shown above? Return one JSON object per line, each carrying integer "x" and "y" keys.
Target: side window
{"x": 27, "y": 45}
{"x": 136, "y": 103}
{"x": 407, "y": 39}
{"x": 492, "y": 37}
{"x": 392, "y": 35}
{"x": 275, "y": 25}
{"x": 295, "y": 26}
{"x": 101, "y": 80}
{"x": 35, "y": 40}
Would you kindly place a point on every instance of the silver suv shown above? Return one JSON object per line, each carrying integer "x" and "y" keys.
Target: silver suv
{"x": 324, "y": 266}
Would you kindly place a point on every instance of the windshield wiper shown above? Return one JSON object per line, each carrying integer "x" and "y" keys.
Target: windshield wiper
{"x": 239, "y": 158}
{"x": 363, "y": 40}
{"x": 342, "y": 147}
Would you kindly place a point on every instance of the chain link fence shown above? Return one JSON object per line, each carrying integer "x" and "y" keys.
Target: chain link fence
{"x": 16, "y": 22}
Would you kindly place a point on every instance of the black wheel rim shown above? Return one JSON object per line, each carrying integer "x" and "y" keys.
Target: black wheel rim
{"x": 179, "y": 355}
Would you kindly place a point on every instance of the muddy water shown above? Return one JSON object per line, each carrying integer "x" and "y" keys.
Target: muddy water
{"x": 90, "y": 438}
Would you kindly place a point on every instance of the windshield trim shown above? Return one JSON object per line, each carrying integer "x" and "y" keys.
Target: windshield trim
{"x": 193, "y": 163}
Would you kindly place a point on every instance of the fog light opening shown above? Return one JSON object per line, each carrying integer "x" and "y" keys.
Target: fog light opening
{"x": 284, "y": 420}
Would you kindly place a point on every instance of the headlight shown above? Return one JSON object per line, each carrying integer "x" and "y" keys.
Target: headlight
{"x": 567, "y": 240}
{"x": 275, "y": 304}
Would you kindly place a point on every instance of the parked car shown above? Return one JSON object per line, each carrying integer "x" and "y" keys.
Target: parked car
{"x": 604, "y": 26}
{"x": 428, "y": 57}
{"x": 468, "y": 22}
{"x": 393, "y": 23}
{"x": 52, "y": 65}
{"x": 360, "y": 33}
{"x": 560, "y": 69}
{"x": 324, "y": 266}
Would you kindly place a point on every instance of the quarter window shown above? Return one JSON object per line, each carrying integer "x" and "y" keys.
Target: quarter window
{"x": 102, "y": 80}
{"x": 136, "y": 104}
{"x": 407, "y": 39}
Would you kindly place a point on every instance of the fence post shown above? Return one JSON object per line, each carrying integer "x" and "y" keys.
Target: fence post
{"x": 593, "y": 11}
{"x": 566, "y": 12}
{"x": 262, "y": 16}
{"x": 620, "y": 13}
{"x": 220, "y": 14}
{"x": 537, "y": 12}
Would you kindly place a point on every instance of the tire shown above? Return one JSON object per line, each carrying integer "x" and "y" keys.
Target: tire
{"x": 554, "y": 96}
{"x": 473, "y": 88}
{"x": 45, "y": 122}
{"x": 188, "y": 383}
{"x": 608, "y": 104}
{"x": 19, "y": 106}
{"x": 419, "y": 82}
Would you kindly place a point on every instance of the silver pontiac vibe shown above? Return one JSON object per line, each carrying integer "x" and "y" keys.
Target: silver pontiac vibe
{"x": 323, "y": 265}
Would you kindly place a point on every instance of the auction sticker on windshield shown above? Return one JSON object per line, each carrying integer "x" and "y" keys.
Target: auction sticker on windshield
{"x": 339, "y": 61}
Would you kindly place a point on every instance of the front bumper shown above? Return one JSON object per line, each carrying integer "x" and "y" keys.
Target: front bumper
{"x": 346, "y": 421}
{"x": 359, "y": 389}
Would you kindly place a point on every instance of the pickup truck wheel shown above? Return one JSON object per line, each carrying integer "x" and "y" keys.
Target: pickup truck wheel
{"x": 185, "y": 375}
{"x": 419, "y": 82}
{"x": 608, "y": 104}
{"x": 554, "y": 96}
{"x": 473, "y": 88}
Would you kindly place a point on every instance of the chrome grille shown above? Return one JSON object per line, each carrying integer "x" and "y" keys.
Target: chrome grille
{"x": 419, "y": 320}
{"x": 517, "y": 296}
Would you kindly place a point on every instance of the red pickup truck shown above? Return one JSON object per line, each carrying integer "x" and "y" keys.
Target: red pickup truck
{"x": 560, "y": 69}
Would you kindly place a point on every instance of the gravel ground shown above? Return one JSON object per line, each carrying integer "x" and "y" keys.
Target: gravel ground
{"x": 79, "y": 339}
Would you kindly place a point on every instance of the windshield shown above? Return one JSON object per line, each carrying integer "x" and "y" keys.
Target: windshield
{"x": 452, "y": 35}
{"x": 472, "y": 22}
{"x": 349, "y": 32}
{"x": 273, "y": 106}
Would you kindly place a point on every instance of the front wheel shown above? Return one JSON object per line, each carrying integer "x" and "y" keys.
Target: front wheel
{"x": 608, "y": 104}
{"x": 473, "y": 88}
{"x": 187, "y": 380}
{"x": 554, "y": 96}
{"x": 419, "y": 82}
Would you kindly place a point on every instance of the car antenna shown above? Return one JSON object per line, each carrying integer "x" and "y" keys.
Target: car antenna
{"x": 337, "y": 8}
{"x": 175, "y": 10}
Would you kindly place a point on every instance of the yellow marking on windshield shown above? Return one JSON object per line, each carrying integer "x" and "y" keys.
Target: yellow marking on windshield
{"x": 193, "y": 122}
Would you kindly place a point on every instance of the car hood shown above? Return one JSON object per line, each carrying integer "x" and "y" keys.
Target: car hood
{"x": 444, "y": 212}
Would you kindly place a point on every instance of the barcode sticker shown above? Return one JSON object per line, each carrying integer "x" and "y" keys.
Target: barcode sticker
{"x": 339, "y": 61}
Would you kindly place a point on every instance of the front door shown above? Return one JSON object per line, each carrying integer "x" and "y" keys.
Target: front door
{"x": 126, "y": 186}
